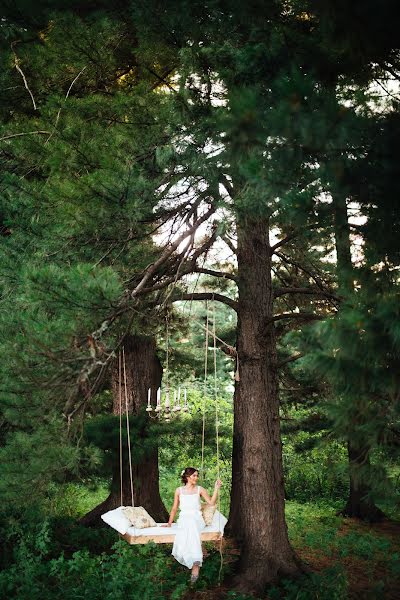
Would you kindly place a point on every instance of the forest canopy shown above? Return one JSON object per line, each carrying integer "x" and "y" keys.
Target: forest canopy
{"x": 167, "y": 169}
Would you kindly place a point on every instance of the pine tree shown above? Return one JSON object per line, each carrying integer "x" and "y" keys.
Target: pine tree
{"x": 183, "y": 115}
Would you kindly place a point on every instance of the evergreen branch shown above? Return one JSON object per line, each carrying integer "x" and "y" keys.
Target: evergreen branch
{"x": 65, "y": 99}
{"x": 16, "y": 63}
{"x": 13, "y": 135}
{"x": 221, "y": 274}
{"x": 390, "y": 70}
{"x": 208, "y": 296}
{"x": 307, "y": 316}
{"x": 229, "y": 244}
{"x": 301, "y": 267}
{"x": 310, "y": 291}
{"x": 227, "y": 185}
{"x": 183, "y": 268}
{"x": 151, "y": 270}
{"x": 289, "y": 360}
{"x": 284, "y": 241}
{"x": 161, "y": 78}
{"x": 291, "y": 236}
{"x": 386, "y": 90}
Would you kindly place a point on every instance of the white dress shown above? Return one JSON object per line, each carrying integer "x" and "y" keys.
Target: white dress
{"x": 187, "y": 545}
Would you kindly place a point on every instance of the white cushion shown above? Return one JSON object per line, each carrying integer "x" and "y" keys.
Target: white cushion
{"x": 117, "y": 520}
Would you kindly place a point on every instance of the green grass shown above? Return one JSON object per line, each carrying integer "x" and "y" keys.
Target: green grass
{"x": 367, "y": 554}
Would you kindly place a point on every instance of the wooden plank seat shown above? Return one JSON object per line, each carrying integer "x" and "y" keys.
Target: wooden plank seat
{"x": 159, "y": 535}
{"x": 167, "y": 538}
{"x": 166, "y": 535}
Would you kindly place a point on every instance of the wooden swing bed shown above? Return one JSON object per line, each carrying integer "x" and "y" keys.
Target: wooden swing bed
{"x": 158, "y": 534}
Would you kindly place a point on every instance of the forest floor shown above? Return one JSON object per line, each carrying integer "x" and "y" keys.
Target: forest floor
{"x": 361, "y": 559}
{"x": 346, "y": 558}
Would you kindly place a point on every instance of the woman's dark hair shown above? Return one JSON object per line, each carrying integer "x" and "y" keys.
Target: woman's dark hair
{"x": 186, "y": 473}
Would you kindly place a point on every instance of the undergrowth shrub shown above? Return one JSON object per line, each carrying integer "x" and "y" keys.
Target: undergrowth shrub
{"x": 142, "y": 572}
{"x": 330, "y": 584}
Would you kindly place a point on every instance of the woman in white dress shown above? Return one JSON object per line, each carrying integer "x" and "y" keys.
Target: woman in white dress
{"x": 187, "y": 545}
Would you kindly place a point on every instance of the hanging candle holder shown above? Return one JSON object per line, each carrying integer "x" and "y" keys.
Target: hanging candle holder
{"x": 163, "y": 406}
{"x": 163, "y": 398}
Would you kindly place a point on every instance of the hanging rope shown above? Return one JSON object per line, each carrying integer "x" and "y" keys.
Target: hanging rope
{"x": 204, "y": 397}
{"x": 127, "y": 424}
{"x": 120, "y": 421}
{"x": 216, "y": 392}
{"x": 167, "y": 351}
{"x": 231, "y": 351}
{"x": 213, "y": 333}
{"x": 217, "y": 442}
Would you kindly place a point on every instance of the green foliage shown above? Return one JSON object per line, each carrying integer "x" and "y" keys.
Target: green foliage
{"x": 74, "y": 500}
{"x": 57, "y": 552}
{"x": 312, "y": 525}
{"x": 124, "y": 573}
{"x": 331, "y": 584}
{"x": 30, "y": 462}
{"x": 140, "y": 108}
{"x": 316, "y": 472}
{"x": 49, "y": 563}
{"x": 316, "y": 527}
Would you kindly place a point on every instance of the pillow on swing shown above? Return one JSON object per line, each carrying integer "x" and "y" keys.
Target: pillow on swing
{"x": 139, "y": 517}
{"x": 116, "y": 519}
{"x": 208, "y": 511}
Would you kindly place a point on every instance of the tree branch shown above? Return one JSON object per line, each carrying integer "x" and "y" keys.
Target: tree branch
{"x": 227, "y": 184}
{"x": 298, "y": 290}
{"x": 307, "y": 316}
{"x": 208, "y": 296}
{"x": 308, "y": 272}
{"x": 183, "y": 268}
{"x": 65, "y": 99}
{"x": 151, "y": 270}
{"x": 229, "y": 244}
{"x": 289, "y": 359}
{"x": 284, "y": 241}
{"x": 221, "y": 274}
{"x": 290, "y": 236}
{"x": 16, "y": 62}
{"x": 13, "y": 135}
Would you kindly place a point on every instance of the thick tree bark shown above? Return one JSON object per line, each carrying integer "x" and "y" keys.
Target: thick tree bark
{"x": 143, "y": 370}
{"x": 257, "y": 517}
{"x": 358, "y": 504}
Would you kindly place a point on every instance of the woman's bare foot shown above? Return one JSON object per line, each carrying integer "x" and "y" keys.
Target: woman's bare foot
{"x": 195, "y": 572}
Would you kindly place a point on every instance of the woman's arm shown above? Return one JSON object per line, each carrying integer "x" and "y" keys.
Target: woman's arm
{"x": 207, "y": 498}
{"x": 173, "y": 509}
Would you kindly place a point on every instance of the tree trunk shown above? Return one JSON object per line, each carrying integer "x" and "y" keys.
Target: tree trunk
{"x": 257, "y": 517}
{"x": 357, "y": 504}
{"x": 345, "y": 272}
{"x": 143, "y": 370}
